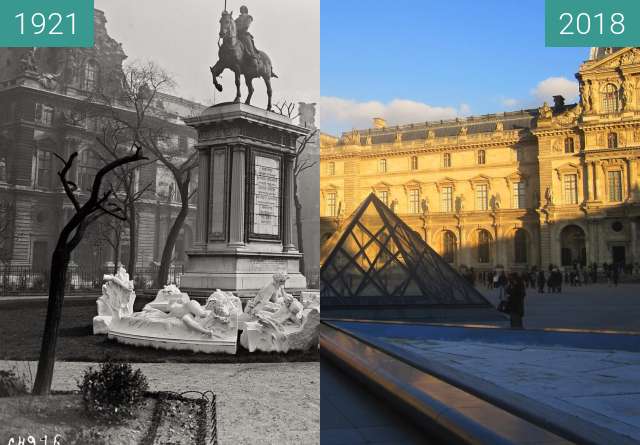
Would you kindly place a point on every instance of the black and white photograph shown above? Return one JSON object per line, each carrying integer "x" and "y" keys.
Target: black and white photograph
{"x": 159, "y": 242}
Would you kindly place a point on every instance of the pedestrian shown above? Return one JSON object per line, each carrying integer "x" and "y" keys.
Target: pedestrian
{"x": 615, "y": 274}
{"x": 542, "y": 280}
{"x": 515, "y": 291}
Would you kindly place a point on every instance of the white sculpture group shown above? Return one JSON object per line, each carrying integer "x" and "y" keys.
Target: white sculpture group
{"x": 272, "y": 321}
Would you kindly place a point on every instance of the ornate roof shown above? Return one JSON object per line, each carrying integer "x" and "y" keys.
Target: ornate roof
{"x": 599, "y": 52}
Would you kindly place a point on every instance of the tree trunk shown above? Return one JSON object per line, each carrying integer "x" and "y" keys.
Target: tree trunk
{"x": 116, "y": 251}
{"x": 57, "y": 282}
{"x": 172, "y": 237}
{"x": 133, "y": 242}
{"x": 298, "y": 207}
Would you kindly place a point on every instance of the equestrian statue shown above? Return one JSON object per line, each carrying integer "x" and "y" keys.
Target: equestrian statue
{"x": 239, "y": 53}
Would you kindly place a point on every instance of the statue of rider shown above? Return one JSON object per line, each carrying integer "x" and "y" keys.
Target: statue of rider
{"x": 242, "y": 26}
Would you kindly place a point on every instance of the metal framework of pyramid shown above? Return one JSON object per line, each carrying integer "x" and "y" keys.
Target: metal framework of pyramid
{"x": 378, "y": 260}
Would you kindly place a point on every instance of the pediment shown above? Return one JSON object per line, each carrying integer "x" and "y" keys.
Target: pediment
{"x": 480, "y": 179}
{"x": 381, "y": 186}
{"x": 413, "y": 184}
{"x": 626, "y": 56}
{"x": 568, "y": 168}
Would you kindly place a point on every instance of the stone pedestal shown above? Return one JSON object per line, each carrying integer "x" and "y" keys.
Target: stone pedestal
{"x": 245, "y": 200}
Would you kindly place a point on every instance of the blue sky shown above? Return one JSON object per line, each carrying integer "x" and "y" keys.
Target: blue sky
{"x": 436, "y": 59}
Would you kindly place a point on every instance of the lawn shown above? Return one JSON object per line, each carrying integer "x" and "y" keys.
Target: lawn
{"x": 22, "y": 323}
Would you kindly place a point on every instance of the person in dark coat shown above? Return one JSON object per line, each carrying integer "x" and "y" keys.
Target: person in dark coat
{"x": 515, "y": 300}
{"x": 542, "y": 280}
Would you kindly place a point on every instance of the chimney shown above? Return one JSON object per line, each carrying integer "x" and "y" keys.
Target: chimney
{"x": 378, "y": 122}
{"x": 558, "y": 104}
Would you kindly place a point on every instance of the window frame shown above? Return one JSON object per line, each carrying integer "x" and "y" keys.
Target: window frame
{"x": 570, "y": 188}
{"x": 446, "y": 199}
{"x": 446, "y": 160}
{"x": 481, "y": 157}
{"x": 482, "y": 197}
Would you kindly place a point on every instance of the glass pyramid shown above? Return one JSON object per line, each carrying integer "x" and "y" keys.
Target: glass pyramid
{"x": 378, "y": 260}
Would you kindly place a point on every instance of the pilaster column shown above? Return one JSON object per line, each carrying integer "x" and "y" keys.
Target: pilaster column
{"x": 633, "y": 179}
{"x": 634, "y": 241}
{"x": 202, "y": 219}
{"x": 237, "y": 205}
{"x": 288, "y": 212}
{"x": 596, "y": 180}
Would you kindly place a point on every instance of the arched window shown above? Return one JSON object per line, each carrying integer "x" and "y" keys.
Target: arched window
{"x": 612, "y": 140}
{"x": 520, "y": 245}
{"x": 610, "y": 99}
{"x": 484, "y": 246}
{"x": 414, "y": 163}
{"x": 569, "y": 145}
{"x": 482, "y": 157}
{"x": 449, "y": 245}
{"x": 91, "y": 76}
{"x": 446, "y": 160}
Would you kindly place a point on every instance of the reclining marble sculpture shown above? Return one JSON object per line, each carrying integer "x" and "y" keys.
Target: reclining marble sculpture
{"x": 174, "y": 321}
{"x": 275, "y": 321}
{"x": 117, "y": 297}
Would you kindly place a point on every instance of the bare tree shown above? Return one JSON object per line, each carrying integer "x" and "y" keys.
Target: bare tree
{"x": 114, "y": 139}
{"x": 98, "y": 204}
{"x": 141, "y": 85}
{"x": 301, "y": 164}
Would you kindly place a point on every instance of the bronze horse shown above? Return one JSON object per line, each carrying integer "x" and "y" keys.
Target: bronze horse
{"x": 232, "y": 55}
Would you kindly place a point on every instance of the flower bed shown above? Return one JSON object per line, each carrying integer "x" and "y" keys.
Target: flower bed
{"x": 163, "y": 418}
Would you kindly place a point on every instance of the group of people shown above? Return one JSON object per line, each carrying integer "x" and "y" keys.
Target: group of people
{"x": 512, "y": 286}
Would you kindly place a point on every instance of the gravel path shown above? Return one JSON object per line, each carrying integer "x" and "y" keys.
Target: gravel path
{"x": 258, "y": 403}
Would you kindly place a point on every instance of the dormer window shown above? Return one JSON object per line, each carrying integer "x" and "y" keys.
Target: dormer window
{"x": 446, "y": 160}
{"x": 610, "y": 99}
{"x": 569, "y": 146}
{"x": 482, "y": 157}
{"x": 91, "y": 76}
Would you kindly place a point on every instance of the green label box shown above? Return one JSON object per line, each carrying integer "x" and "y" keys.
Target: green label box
{"x": 46, "y": 23}
{"x": 608, "y": 23}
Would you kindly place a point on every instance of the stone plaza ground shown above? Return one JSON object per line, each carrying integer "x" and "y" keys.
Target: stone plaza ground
{"x": 595, "y": 306}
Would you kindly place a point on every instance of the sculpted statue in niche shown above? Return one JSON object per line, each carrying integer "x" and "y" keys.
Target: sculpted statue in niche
{"x": 431, "y": 134}
{"x": 500, "y": 126}
{"x": 495, "y": 202}
{"x": 394, "y": 204}
{"x": 464, "y": 131}
{"x": 398, "y": 137}
{"x": 548, "y": 197}
{"x": 425, "y": 205}
{"x": 585, "y": 93}
{"x": 628, "y": 90}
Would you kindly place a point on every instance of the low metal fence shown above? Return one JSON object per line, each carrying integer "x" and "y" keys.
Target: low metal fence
{"x": 17, "y": 280}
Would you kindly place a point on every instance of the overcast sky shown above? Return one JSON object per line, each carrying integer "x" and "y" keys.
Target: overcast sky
{"x": 181, "y": 36}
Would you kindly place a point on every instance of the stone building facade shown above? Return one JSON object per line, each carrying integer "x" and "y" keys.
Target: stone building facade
{"x": 555, "y": 185}
{"x": 41, "y": 92}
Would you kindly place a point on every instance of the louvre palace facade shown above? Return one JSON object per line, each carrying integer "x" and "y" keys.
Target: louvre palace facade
{"x": 555, "y": 185}
{"x": 46, "y": 110}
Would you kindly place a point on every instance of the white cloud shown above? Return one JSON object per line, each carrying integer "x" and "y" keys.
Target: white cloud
{"x": 554, "y": 86}
{"x": 509, "y": 102}
{"x": 338, "y": 114}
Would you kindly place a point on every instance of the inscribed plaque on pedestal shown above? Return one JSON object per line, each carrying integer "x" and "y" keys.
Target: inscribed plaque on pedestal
{"x": 266, "y": 201}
